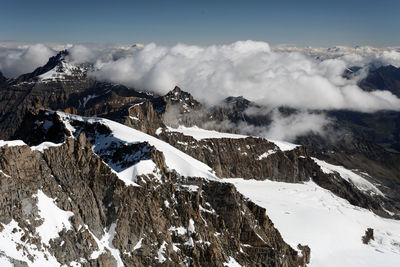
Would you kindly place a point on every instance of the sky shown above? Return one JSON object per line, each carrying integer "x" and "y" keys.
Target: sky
{"x": 300, "y": 23}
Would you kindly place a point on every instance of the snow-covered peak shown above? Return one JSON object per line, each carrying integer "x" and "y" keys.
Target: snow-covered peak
{"x": 63, "y": 71}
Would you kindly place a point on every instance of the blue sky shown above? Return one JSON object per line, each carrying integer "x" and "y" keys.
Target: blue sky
{"x": 302, "y": 23}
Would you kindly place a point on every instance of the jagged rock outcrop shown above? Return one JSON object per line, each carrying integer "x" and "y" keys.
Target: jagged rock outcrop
{"x": 142, "y": 116}
{"x": 177, "y": 107}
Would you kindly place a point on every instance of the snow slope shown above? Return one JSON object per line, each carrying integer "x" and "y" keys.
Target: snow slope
{"x": 349, "y": 176}
{"x": 174, "y": 158}
{"x": 308, "y": 214}
{"x": 199, "y": 134}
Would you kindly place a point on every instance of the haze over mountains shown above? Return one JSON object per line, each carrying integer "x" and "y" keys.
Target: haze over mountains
{"x": 138, "y": 150}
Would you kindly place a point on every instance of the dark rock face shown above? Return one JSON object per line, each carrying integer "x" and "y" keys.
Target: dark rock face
{"x": 2, "y": 79}
{"x": 383, "y": 78}
{"x": 39, "y": 126}
{"x": 184, "y": 100}
{"x": 142, "y": 116}
{"x": 233, "y": 109}
{"x": 175, "y": 108}
{"x": 250, "y": 158}
{"x": 351, "y": 72}
{"x": 382, "y": 128}
{"x": 189, "y": 220}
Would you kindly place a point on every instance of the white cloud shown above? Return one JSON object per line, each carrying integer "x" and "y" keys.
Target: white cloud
{"x": 250, "y": 69}
{"x": 90, "y": 53}
{"x": 287, "y": 127}
{"x": 18, "y": 60}
{"x": 299, "y": 124}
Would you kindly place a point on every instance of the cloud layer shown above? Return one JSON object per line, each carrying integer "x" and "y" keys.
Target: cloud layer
{"x": 304, "y": 79}
{"x": 250, "y": 69}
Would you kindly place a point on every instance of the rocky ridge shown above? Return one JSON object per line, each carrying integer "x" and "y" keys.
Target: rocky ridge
{"x": 242, "y": 157}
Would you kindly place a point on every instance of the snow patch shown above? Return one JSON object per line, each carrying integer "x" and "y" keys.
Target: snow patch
{"x": 142, "y": 167}
{"x": 191, "y": 228}
{"x": 266, "y": 154}
{"x": 12, "y": 143}
{"x": 45, "y": 145}
{"x": 61, "y": 72}
{"x": 349, "y": 176}
{"x": 159, "y": 131}
{"x": 178, "y": 230}
{"x": 160, "y": 253}
{"x": 86, "y": 99}
{"x": 106, "y": 243}
{"x": 12, "y": 246}
{"x": 54, "y": 218}
{"x": 138, "y": 244}
{"x": 6, "y": 175}
{"x": 4, "y": 262}
{"x": 283, "y": 145}
{"x": 232, "y": 263}
{"x": 200, "y": 134}
{"x": 190, "y": 187}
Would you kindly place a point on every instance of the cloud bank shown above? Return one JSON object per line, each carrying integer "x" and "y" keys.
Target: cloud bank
{"x": 18, "y": 58}
{"x": 250, "y": 69}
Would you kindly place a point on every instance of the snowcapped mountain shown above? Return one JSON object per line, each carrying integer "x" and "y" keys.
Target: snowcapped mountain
{"x": 143, "y": 162}
{"x": 155, "y": 204}
{"x": 58, "y": 68}
{"x": 99, "y": 174}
